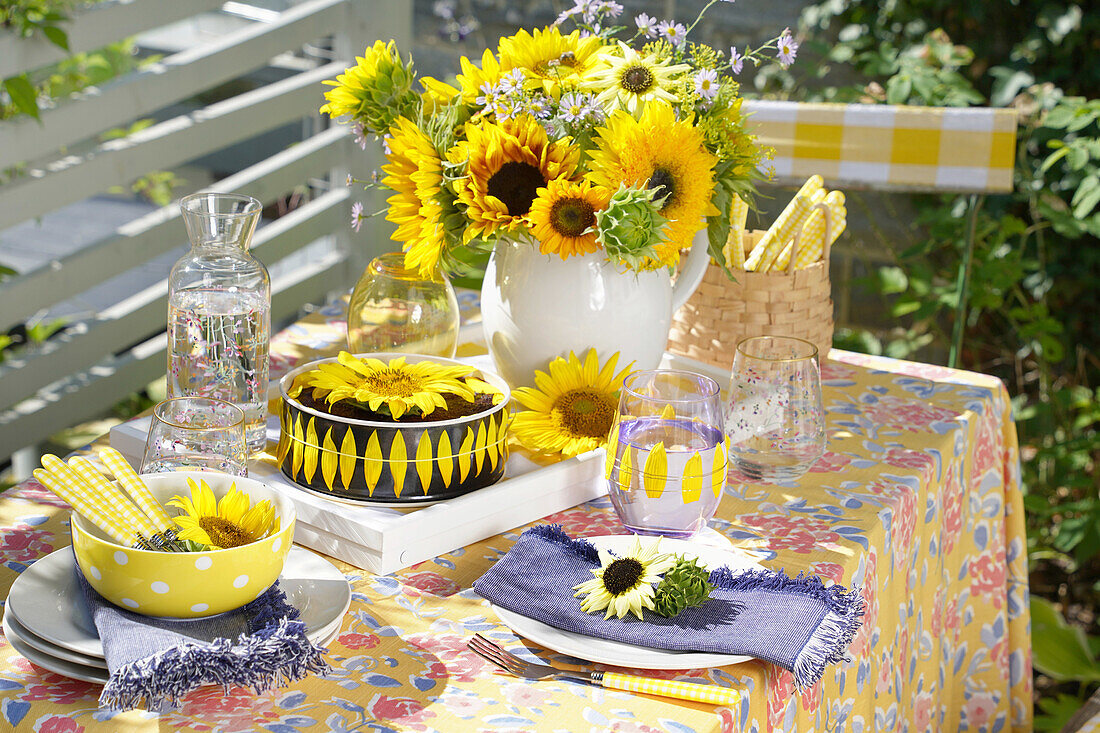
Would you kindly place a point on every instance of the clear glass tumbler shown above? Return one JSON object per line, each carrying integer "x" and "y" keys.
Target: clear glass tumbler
{"x": 196, "y": 433}
{"x": 666, "y": 462}
{"x": 775, "y": 420}
{"x": 396, "y": 309}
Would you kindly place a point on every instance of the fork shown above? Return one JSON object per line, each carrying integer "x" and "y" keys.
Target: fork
{"x": 509, "y": 662}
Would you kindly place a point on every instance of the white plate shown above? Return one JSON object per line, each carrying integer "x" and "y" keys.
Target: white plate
{"x": 45, "y": 599}
{"x": 616, "y": 653}
{"x": 14, "y": 628}
{"x": 95, "y": 673}
{"x": 54, "y": 664}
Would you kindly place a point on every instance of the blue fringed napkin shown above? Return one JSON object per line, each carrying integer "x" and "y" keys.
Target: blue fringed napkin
{"x": 153, "y": 662}
{"x": 796, "y": 623}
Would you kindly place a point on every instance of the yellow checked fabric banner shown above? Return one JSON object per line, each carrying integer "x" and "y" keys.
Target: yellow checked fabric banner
{"x": 857, "y": 145}
{"x": 916, "y": 503}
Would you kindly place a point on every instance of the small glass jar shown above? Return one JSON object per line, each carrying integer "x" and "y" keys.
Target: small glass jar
{"x": 396, "y": 309}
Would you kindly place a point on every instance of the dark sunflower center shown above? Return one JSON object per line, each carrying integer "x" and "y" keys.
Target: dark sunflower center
{"x": 516, "y": 184}
{"x": 585, "y": 413}
{"x": 393, "y": 383}
{"x": 571, "y": 217}
{"x": 637, "y": 79}
{"x": 225, "y": 534}
{"x": 665, "y": 185}
{"x": 622, "y": 575}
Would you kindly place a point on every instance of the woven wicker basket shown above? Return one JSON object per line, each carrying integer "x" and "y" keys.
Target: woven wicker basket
{"x": 721, "y": 312}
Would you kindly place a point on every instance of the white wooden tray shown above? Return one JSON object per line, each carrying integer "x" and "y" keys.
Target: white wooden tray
{"x": 385, "y": 539}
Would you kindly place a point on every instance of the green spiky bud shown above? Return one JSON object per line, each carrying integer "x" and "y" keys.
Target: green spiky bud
{"x": 684, "y": 585}
{"x": 630, "y": 227}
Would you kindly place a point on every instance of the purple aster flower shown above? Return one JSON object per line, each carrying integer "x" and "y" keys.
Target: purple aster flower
{"x": 360, "y": 135}
{"x": 571, "y": 108}
{"x": 357, "y": 215}
{"x": 511, "y": 81}
{"x": 646, "y": 25}
{"x": 386, "y": 145}
{"x": 349, "y": 181}
{"x": 674, "y": 33}
{"x": 611, "y": 9}
{"x": 489, "y": 94}
{"x": 706, "y": 84}
{"x": 737, "y": 61}
{"x": 787, "y": 48}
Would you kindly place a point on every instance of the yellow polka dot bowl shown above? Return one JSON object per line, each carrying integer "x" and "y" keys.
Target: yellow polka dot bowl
{"x": 185, "y": 584}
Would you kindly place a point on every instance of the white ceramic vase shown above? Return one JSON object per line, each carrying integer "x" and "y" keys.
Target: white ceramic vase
{"x": 536, "y": 307}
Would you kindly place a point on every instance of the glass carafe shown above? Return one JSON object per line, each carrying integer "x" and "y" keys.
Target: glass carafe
{"x": 219, "y": 310}
{"x": 397, "y": 309}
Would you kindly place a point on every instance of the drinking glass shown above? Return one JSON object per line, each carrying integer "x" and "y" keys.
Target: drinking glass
{"x": 775, "y": 420}
{"x": 394, "y": 308}
{"x": 196, "y": 433}
{"x": 666, "y": 464}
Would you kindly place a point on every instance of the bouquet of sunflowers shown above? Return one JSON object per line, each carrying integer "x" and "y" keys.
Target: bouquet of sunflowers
{"x": 577, "y": 141}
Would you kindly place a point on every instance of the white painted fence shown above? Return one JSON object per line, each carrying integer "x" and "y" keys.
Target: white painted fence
{"x": 102, "y": 359}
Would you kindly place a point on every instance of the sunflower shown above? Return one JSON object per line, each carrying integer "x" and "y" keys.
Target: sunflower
{"x": 473, "y": 78}
{"x": 415, "y": 173}
{"x": 664, "y": 153}
{"x": 550, "y": 58}
{"x": 231, "y": 522}
{"x": 625, "y": 584}
{"x": 507, "y": 163}
{"x": 627, "y": 80}
{"x": 571, "y": 409}
{"x": 563, "y": 217}
{"x": 374, "y": 92}
{"x": 399, "y": 386}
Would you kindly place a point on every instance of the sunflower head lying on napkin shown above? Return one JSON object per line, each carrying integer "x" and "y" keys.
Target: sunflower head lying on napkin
{"x": 663, "y": 602}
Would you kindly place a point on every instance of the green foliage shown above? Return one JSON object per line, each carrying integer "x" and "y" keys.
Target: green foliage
{"x": 684, "y": 585}
{"x": 1034, "y": 290}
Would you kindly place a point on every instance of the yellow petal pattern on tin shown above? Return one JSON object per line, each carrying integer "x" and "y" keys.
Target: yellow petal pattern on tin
{"x": 691, "y": 485}
{"x": 372, "y": 462}
{"x": 626, "y": 468}
{"x": 329, "y": 459}
{"x": 284, "y": 437}
{"x": 718, "y": 470}
{"x": 445, "y": 460}
{"x": 348, "y": 458}
{"x": 424, "y": 461}
{"x": 310, "y": 463}
{"x": 609, "y": 450}
{"x": 464, "y": 454}
{"x": 296, "y": 449}
{"x": 479, "y": 447}
{"x": 491, "y": 442}
{"x": 398, "y": 462}
{"x": 655, "y": 471}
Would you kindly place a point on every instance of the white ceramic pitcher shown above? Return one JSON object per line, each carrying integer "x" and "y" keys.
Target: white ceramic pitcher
{"x": 536, "y": 307}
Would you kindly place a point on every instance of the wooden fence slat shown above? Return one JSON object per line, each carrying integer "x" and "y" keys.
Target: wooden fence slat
{"x": 176, "y": 78}
{"x": 143, "y": 313}
{"x": 156, "y": 233}
{"x": 95, "y": 390}
{"x": 94, "y": 28}
{"x": 166, "y": 145}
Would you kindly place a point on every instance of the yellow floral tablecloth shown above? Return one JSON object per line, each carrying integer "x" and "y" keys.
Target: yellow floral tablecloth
{"x": 917, "y": 502}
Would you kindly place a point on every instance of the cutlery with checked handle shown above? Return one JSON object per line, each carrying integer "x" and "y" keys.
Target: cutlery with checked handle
{"x": 628, "y": 682}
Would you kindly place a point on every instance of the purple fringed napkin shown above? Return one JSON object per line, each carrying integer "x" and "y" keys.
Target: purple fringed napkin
{"x": 796, "y": 623}
{"x": 153, "y": 662}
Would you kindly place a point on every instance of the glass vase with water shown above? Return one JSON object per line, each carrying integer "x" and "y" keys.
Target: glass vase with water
{"x": 219, "y": 310}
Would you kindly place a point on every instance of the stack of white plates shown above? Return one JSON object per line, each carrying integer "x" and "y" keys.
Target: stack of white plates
{"x": 47, "y": 621}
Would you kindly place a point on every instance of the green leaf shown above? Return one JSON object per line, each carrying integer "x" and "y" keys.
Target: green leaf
{"x": 56, "y": 36}
{"x": 1059, "y": 650}
{"x": 23, "y": 95}
{"x": 1056, "y": 712}
{"x": 1087, "y": 197}
{"x": 892, "y": 280}
{"x": 898, "y": 89}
